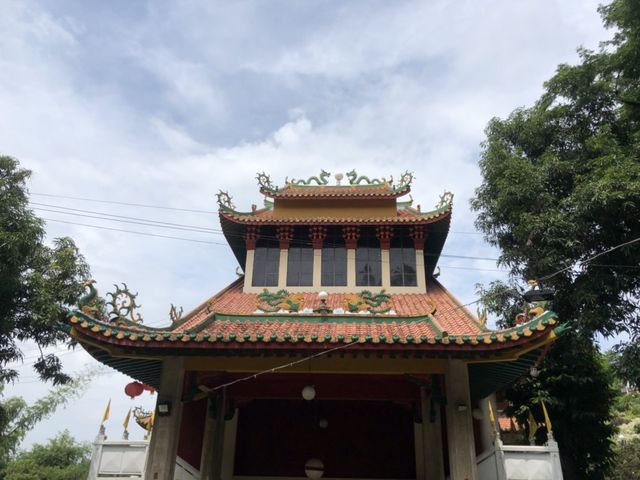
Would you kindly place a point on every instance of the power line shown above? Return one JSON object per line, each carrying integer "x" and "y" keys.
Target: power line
{"x": 103, "y": 214}
{"x": 465, "y": 257}
{"x": 192, "y": 210}
{"x": 147, "y": 234}
{"x": 584, "y": 262}
{"x": 147, "y": 224}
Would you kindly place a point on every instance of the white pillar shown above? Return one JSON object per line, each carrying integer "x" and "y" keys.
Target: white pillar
{"x": 462, "y": 455}
{"x": 282, "y": 270}
{"x": 229, "y": 449}
{"x": 386, "y": 268}
{"x": 248, "y": 269}
{"x": 163, "y": 448}
{"x": 420, "y": 270}
{"x": 212, "y": 449}
{"x": 351, "y": 267}
{"x": 487, "y": 431}
{"x": 433, "y": 460}
{"x": 317, "y": 269}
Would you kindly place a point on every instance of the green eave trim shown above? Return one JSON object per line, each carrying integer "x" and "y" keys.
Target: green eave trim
{"x": 314, "y": 318}
{"x": 487, "y": 378}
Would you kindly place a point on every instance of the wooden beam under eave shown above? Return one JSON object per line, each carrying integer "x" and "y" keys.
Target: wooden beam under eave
{"x": 346, "y": 365}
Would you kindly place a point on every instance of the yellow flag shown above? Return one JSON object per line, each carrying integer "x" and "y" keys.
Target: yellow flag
{"x": 547, "y": 420}
{"x": 107, "y": 410}
{"x": 533, "y": 426}
{"x": 125, "y": 424}
{"x": 492, "y": 418}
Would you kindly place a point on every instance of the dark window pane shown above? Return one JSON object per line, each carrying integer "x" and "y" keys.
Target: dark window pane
{"x": 266, "y": 263}
{"x": 368, "y": 266}
{"x": 300, "y": 267}
{"x": 334, "y": 265}
{"x": 402, "y": 258}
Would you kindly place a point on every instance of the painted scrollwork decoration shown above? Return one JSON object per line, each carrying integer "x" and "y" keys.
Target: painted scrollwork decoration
{"x": 281, "y": 300}
{"x": 143, "y": 418}
{"x": 445, "y": 200}
{"x": 123, "y": 306}
{"x": 405, "y": 181}
{"x": 175, "y": 313}
{"x": 265, "y": 183}
{"x": 368, "y": 302}
{"x": 224, "y": 200}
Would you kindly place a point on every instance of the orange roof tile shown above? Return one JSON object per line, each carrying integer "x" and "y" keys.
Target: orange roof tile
{"x": 448, "y": 315}
{"x": 404, "y": 216}
{"x": 382, "y": 190}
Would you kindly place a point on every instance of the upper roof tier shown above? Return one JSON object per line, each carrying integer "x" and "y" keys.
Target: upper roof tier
{"x": 358, "y": 186}
{"x": 356, "y": 201}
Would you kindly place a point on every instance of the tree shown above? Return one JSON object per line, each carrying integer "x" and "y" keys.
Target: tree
{"x": 37, "y": 282}
{"x": 60, "y": 459}
{"x": 17, "y": 418}
{"x": 560, "y": 195}
{"x": 628, "y": 463}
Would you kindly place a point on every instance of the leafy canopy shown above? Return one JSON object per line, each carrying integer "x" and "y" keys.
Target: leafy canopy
{"x": 561, "y": 184}
{"x": 37, "y": 282}
{"x": 17, "y": 418}
{"x": 59, "y": 459}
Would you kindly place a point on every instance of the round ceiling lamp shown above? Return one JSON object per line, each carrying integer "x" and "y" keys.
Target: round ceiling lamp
{"x": 314, "y": 468}
{"x": 309, "y": 392}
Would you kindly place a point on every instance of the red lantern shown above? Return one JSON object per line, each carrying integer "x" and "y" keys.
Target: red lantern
{"x": 148, "y": 388}
{"x": 133, "y": 389}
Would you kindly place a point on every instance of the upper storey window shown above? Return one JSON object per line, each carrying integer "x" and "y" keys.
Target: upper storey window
{"x": 368, "y": 262}
{"x": 300, "y": 265}
{"x": 266, "y": 264}
{"x": 334, "y": 261}
{"x": 402, "y": 257}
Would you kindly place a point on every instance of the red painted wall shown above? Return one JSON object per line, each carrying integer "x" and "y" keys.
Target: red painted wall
{"x": 191, "y": 431}
{"x": 363, "y": 439}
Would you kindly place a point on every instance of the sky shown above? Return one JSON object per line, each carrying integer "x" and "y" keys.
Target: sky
{"x": 165, "y": 103}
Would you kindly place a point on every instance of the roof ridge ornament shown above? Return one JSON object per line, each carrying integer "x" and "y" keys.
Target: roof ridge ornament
{"x": 224, "y": 200}
{"x": 123, "y": 304}
{"x": 354, "y": 179}
{"x": 265, "y": 183}
{"x": 320, "y": 179}
{"x": 446, "y": 199}
{"x": 405, "y": 182}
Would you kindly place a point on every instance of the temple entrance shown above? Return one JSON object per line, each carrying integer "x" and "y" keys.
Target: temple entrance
{"x": 353, "y": 439}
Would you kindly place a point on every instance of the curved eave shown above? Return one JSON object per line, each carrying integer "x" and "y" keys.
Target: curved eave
{"x": 254, "y": 218}
{"x": 437, "y": 222}
{"x": 505, "y": 344}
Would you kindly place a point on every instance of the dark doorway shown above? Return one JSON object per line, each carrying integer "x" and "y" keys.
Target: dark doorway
{"x": 371, "y": 439}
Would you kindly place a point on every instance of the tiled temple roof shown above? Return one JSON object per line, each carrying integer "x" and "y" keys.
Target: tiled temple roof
{"x": 432, "y": 321}
{"x": 383, "y": 190}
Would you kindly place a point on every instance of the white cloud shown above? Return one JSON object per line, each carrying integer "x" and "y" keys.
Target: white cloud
{"x": 161, "y": 105}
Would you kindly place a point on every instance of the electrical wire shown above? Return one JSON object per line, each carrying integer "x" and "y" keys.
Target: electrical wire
{"x": 464, "y": 257}
{"x": 192, "y": 210}
{"x": 281, "y": 367}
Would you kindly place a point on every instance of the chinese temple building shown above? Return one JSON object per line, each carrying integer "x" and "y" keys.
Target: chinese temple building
{"x": 336, "y": 353}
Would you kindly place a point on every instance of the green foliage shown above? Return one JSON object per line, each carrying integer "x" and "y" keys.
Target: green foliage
{"x": 37, "y": 282}
{"x": 60, "y": 459}
{"x": 561, "y": 183}
{"x": 627, "y": 461}
{"x": 17, "y": 418}
{"x": 576, "y": 385}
